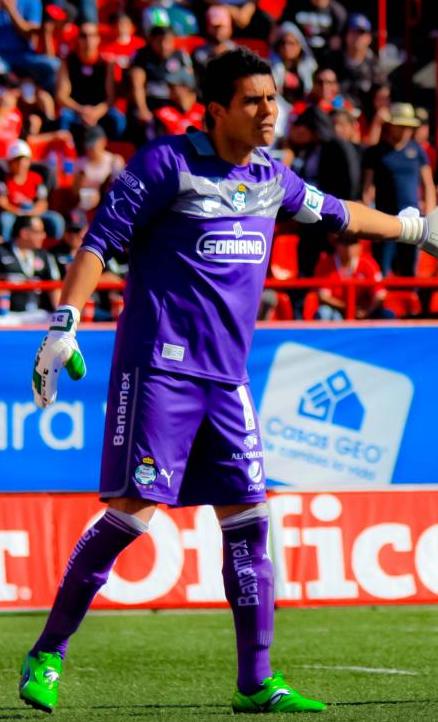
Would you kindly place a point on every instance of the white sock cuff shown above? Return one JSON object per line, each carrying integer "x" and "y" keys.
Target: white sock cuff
{"x": 244, "y": 518}
{"x": 133, "y": 522}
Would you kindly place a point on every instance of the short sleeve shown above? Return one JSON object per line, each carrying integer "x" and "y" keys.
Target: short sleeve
{"x": 141, "y": 192}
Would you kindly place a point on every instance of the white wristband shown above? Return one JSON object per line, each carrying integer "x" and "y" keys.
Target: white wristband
{"x": 412, "y": 229}
{"x": 65, "y": 318}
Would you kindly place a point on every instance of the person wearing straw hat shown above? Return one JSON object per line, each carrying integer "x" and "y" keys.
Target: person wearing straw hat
{"x": 397, "y": 175}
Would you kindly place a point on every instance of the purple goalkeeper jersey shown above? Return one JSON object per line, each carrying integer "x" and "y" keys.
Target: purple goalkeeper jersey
{"x": 199, "y": 233}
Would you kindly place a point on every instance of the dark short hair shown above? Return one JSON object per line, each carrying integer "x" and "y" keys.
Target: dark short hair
{"x": 20, "y": 223}
{"x": 222, "y": 73}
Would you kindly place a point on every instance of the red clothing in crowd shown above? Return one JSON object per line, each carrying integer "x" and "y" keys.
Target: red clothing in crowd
{"x": 175, "y": 121}
{"x": 31, "y": 190}
{"x": 10, "y": 129}
{"x": 364, "y": 267}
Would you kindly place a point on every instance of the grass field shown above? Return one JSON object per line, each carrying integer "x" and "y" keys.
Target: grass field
{"x": 370, "y": 664}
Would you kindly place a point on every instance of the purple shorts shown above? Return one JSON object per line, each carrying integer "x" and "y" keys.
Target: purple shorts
{"x": 180, "y": 440}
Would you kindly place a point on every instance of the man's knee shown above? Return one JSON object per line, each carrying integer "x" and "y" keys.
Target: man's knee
{"x": 222, "y": 512}
{"x": 143, "y": 509}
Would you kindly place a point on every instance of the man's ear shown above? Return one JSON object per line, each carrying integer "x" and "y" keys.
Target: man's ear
{"x": 216, "y": 110}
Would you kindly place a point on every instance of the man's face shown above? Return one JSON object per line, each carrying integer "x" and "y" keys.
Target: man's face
{"x": 251, "y": 115}
{"x": 399, "y": 134}
{"x": 32, "y": 237}
{"x": 358, "y": 39}
{"x": 326, "y": 85}
{"x": 19, "y": 165}
{"x": 220, "y": 29}
{"x": 163, "y": 45}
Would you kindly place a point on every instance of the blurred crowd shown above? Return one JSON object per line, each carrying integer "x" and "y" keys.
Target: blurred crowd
{"x": 84, "y": 83}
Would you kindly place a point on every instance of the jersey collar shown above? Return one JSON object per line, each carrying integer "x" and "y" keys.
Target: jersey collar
{"x": 203, "y": 146}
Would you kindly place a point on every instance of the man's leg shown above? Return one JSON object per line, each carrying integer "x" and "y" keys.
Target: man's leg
{"x": 87, "y": 570}
{"x": 249, "y": 588}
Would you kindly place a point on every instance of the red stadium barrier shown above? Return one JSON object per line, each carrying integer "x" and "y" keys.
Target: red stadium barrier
{"x": 350, "y": 285}
{"x": 357, "y": 547}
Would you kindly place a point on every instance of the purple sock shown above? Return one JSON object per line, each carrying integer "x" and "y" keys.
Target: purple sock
{"x": 249, "y": 588}
{"x": 87, "y": 570}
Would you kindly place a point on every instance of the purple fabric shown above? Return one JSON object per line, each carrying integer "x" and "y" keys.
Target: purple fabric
{"x": 87, "y": 570}
{"x": 200, "y": 232}
{"x": 249, "y": 588}
{"x": 180, "y": 440}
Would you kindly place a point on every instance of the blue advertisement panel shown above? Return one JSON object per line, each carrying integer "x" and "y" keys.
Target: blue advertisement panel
{"x": 340, "y": 407}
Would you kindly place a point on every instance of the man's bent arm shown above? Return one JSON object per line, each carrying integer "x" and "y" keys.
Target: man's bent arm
{"x": 371, "y": 223}
{"x": 82, "y": 278}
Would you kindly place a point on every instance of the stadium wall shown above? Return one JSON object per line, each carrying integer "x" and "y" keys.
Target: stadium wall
{"x": 348, "y": 419}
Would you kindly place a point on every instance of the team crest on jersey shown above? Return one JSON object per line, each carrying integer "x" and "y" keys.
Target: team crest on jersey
{"x": 238, "y": 199}
{"x": 146, "y": 472}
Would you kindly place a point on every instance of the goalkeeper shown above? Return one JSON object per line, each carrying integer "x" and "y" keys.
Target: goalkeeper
{"x": 197, "y": 213}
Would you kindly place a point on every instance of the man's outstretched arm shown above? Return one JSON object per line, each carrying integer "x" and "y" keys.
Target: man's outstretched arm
{"x": 371, "y": 223}
{"x": 408, "y": 227}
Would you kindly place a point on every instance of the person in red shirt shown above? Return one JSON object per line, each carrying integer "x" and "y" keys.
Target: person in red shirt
{"x": 11, "y": 120}
{"x": 349, "y": 261}
{"x": 184, "y": 109}
{"x": 24, "y": 193}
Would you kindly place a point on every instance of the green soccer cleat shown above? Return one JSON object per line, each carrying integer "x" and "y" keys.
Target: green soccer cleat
{"x": 40, "y": 680}
{"x": 275, "y": 697}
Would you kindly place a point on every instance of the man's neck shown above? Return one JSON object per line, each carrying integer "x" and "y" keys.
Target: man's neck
{"x": 233, "y": 152}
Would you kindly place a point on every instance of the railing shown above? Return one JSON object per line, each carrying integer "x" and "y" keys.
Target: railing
{"x": 351, "y": 286}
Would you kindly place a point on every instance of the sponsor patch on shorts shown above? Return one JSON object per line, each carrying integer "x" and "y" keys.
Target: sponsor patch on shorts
{"x": 173, "y": 352}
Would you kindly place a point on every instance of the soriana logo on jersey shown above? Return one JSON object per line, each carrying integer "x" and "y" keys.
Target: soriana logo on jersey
{"x": 328, "y": 419}
{"x": 234, "y": 246}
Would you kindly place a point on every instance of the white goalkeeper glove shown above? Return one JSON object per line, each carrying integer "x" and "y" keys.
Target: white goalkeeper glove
{"x": 58, "y": 349}
{"x": 421, "y": 232}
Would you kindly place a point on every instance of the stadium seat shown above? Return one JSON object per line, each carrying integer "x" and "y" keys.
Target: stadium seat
{"x": 189, "y": 43}
{"x": 261, "y": 47}
{"x": 433, "y": 304}
{"x": 310, "y": 306}
{"x": 284, "y": 258}
{"x": 274, "y": 8}
{"x": 121, "y": 147}
{"x": 404, "y": 304}
{"x": 283, "y": 311}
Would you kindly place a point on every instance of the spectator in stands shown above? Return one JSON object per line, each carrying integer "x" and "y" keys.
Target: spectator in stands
{"x": 395, "y": 170}
{"x": 82, "y": 11}
{"x": 356, "y": 66}
{"x": 293, "y": 63}
{"x": 85, "y": 88}
{"x": 325, "y": 93}
{"x": 184, "y": 109}
{"x": 169, "y": 14}
{"x": 122, "y": 49}
{"x": 218, "y": 31}
{"x": 24, "y": 259}
{"x": 65, "y": 251}
{"x": 37, "y": 108}
{"x": 330, "y": 163}
{"x": 23, "y": 192}
{"x": 20, "y": 21}
{"x": 347, "y": 127}
{"x": 249, "y": 21}
{"x": 149, "y": 71}
{"x": 95, "y": 169}
{"x": 422, "y": 137}
{"x": 375, "y": 113}
{"x": 348, "y": 261}
{"x": 322, "y": 23}
{"x": 11, "y": 120}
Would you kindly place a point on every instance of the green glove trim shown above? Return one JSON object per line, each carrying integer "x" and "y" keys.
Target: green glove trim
{"x": 37, "y": 380}
{"x": 76, "y": 366}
